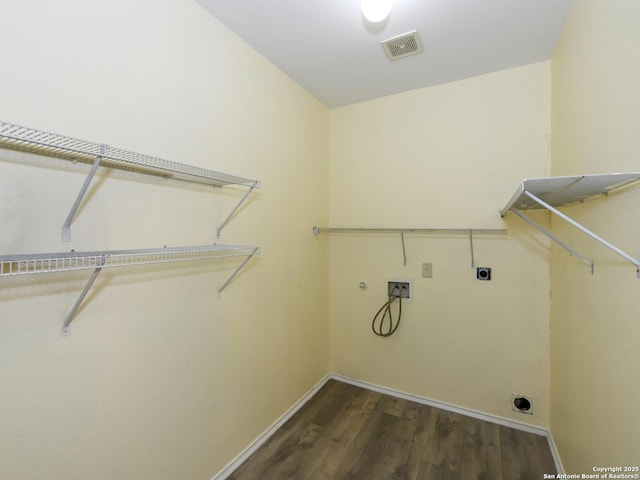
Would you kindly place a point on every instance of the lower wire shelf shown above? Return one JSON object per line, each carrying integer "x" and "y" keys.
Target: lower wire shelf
{"x": 12, "y": 265}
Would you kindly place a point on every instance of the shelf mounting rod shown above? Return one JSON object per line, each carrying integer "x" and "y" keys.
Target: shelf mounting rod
{"x": 66, "y": 228}
{"x": 585, "y": 230}
{"x": 235, "y": 209}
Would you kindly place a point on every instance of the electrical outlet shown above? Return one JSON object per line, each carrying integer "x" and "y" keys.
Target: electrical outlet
{"x": 483, "y": 273}
{"x": 427, "y": 270}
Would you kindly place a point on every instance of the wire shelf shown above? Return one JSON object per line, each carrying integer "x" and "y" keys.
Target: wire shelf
{"x": 561, "y": 191}
{"x": 16, "y": 137}
{"x": 11, "y": 265}
{"x": 553, "y": 192}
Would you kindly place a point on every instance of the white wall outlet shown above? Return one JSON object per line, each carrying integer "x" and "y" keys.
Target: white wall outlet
{"x": 427, "y": 270}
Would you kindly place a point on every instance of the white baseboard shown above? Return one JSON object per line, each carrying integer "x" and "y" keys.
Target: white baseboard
{"x": 264, "y": 436}
{"x": 506, "y": 422}
{"x": 555, "y": 453}
{"x": 526, "y": 427}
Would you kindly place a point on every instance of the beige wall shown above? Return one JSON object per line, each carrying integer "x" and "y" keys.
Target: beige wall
{"x": 160, "y": 378}
{"x": 163, "y": 378}
{"x": 594, "y": 349}
{"x": 448, "y": 156}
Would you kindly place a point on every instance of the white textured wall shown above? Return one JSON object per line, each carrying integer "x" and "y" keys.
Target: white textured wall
{"x": 595, "y": 357}
{"x": 161, "y": 377}
{"x": 448, "y": 156}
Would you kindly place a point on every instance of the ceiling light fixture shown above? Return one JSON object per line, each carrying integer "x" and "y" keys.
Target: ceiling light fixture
{"x": 376, "y": 10}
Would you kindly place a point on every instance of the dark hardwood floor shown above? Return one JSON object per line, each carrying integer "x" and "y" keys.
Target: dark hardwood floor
{"x": 347, "y": 432}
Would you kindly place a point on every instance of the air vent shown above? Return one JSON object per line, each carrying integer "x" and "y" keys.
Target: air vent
{"x": 402, "y": 45}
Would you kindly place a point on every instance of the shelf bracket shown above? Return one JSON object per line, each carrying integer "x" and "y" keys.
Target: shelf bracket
{"x": 585, "y": 230}
{"x": 404, "y": 250}
{"x": 539, "y": 227}
{"x": 66, "y": 228}
{"x": 237, "y": 270}
{"x": 235, "y": 209}
{"x": 66, "y": 329}
{"x": 473, "y": 261}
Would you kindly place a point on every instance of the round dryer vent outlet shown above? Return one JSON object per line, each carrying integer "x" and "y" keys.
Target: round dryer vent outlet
{"x": 522, "y": 403}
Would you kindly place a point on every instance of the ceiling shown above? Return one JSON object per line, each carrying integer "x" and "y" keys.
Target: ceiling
{"x": 333, "y": 52}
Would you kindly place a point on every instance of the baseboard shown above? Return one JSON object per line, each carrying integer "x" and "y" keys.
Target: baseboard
{"x": 264, "y": 436}
{"x": 506, "y": 422}
{"x": 526, "y": 427}
{"x": 555, "y": 453}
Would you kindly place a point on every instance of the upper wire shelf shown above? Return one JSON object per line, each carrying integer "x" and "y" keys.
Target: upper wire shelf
{"x": 70, "y": 261}
{"x": 552, "y": 192}
{"x": 30, "y": 140}
{"x": 561, "y": 191}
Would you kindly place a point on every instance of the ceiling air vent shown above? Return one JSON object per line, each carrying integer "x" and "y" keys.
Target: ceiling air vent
{"x": 402, "y": 45}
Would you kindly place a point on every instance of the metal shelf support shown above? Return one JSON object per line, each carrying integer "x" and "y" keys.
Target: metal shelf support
{"x": 539, "y": 227}
{"x": 235, "y": 209}
{"x": 585, "y": 230}
{"x": 237, "y": 270}
{"x": 66, "y": 227}
{"x": 66, "y": 329}
{"x": 473, "y": 261}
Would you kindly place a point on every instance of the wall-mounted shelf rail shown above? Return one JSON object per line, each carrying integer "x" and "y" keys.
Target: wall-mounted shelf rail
{"x": 11, "y": 265}
{"x": 553, "y": 192}
{"x": 466, "y": 232}
{"x": 16, "y": 137}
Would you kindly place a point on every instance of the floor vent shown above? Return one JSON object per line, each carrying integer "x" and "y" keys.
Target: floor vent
{"x": 402, "y": 45}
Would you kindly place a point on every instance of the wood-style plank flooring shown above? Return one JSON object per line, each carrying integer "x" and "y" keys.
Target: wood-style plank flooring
{"x": 347, "y": 432}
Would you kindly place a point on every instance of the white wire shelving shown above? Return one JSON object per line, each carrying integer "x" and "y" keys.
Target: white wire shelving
{"x": 553, "y": 192}
{"x": 16, "y": 137}
{"x": 464, "y": 232}
{"x": 13, "y": 265}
